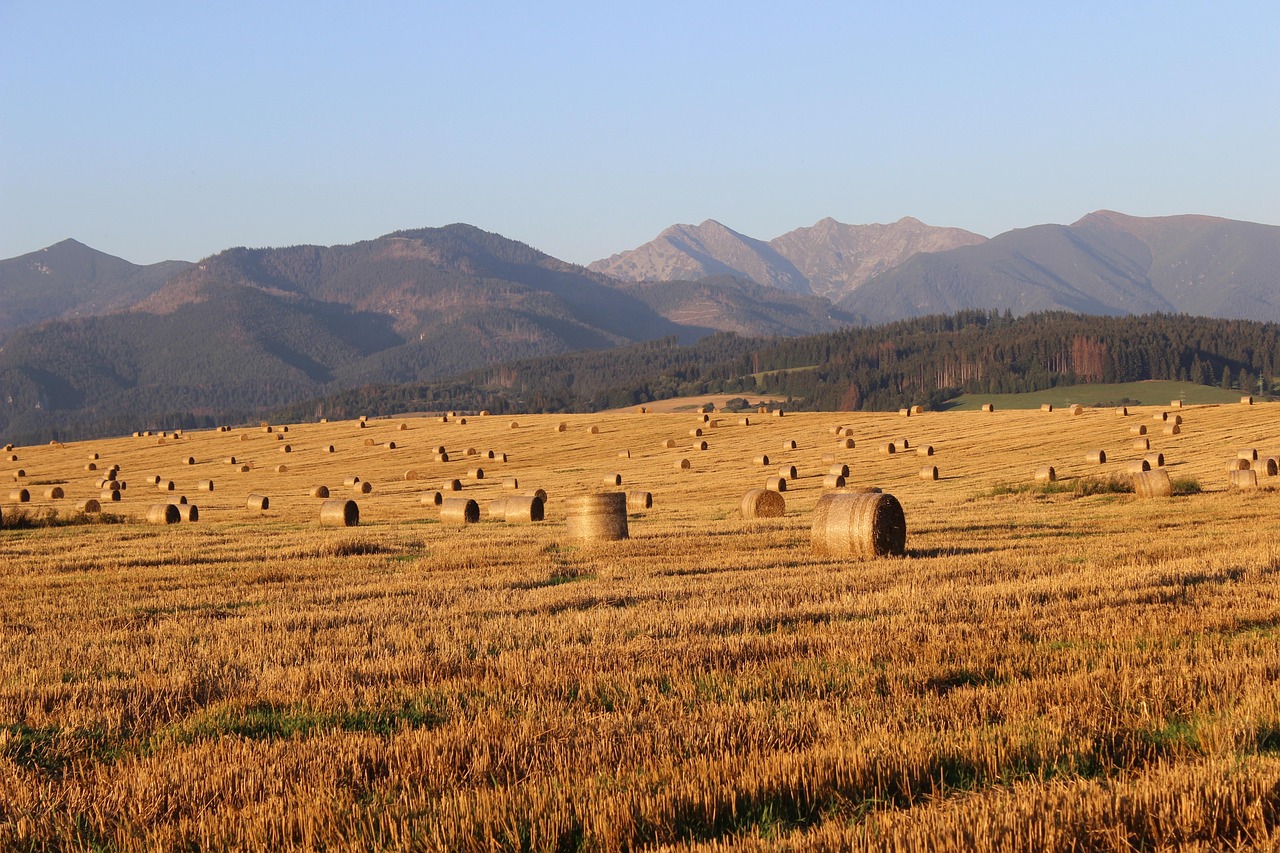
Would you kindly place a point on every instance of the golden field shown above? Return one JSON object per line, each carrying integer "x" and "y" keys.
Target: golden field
{"x": 1063, "y": 668}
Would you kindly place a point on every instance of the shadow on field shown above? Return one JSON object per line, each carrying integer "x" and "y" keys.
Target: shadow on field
{"x": 927, "y": 553}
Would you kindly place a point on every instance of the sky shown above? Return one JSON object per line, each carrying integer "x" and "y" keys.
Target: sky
{"x": 158, "y": 131}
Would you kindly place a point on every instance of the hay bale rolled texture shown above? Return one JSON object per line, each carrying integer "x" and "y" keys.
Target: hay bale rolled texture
{"x": 1248, "y": 453}
{"x": 1244, "y": 479}
{"x": 189, "y": 512}
{"x": 1046, "y": 407}
{"x": 475, "y": 473}
{"x": 1046, "y": 474}
{"x": 510, "y": 483}
{"x": 54, "y": 493}
{"x": 163, "y": 514}
{"x": 561, "y": 427}
{"x": 1096, "y": 457}
{"x": 929, "y": 472}
{"x": 1152, "y": 484}
{"x": 639, "y": 501}
{"x": 1140, "y": 429}
{"x": 846, "y": 444}
{"x": 459, "y": 511}
{"x": 339, "y": 513}
{"x": 595, "y": 430}
{"x": 683, "y": 465}
{"x": 1269, "y": 466}
{"x": 858, "y": 525}
{"x": 776, "y": 484}
{"x": 282, "y": 469}
{"x": 669, "y": 443}
{"x": 762, "y": 503}
{"x": 1172, "y": 429}
{"x": 539, "y": 493}
{"x": 91, "y": 466}
{"x": 91, "y": 506}
{"x": 1238, "y": 465}
{"x": 364, "y": 487}
{"x": 258, "y": 502}
{"x": 1076, "y": 409}
{"x": 839, "y": 469}
{"x": 789, "y": 444}
{"x": 524, "y": 509}
{"x": 411, "y": 474}
{"x": 319, "y": 491}
{"x": 700, "y": 445}
{"x": 600, "y": 517}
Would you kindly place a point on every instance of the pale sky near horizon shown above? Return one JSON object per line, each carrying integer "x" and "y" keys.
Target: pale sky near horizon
{"x": 159, "y": 131}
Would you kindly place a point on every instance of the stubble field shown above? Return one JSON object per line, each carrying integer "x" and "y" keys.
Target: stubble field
{"x": 1046, "y": 668}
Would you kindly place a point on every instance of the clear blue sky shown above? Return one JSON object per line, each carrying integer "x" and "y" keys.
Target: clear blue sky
{"x": 174, "y": 130}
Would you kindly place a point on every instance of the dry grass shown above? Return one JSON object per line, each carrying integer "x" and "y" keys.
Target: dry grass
{"x": 1047, "y": 668}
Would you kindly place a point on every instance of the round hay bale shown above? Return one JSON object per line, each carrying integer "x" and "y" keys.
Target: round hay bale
{"x": 364, "y": 487}
{"x": 700, "y": 445}
{"x": 319, "y": 491}
{"x": 431, "y": 498}
{"x": 475, "y": 473}
{"x": 258, "y": 502}
{"x": 836, "y": 430}
{"x": 525, "y": 509}
{"x": 839, "y": 469}
{"x": 339, "y": 513}
{"x": 108, "y": 484}
{"x": 624, "y": 454}
{"x": 760, "y": 459}
{"x": 1160, "y": 416}
{"x": 471, "y": 451}
{"x": 351, "y": 482}
{"x": 1238, "y": 465}
{"x": 513, "y": 425}
{"x": 19, "y": 474}
{"x": 1138, "y": 466}
{"x": 1096, "y": 457}
{"x": 154, "y": 479}
{"x": 166, "y": 486}
{"x": 744, "y": 421}
{"x": 204, "y": 486}
{"x": 287, "y": 448}
{"x": 1177, "y": 419}
{"x": 245, "y": 468}
{"x": 669, "y": 443}
{"x": 1248, "y": 453}
{"x": 1246, "y": 401}
{"x": 1122, "y": 411}
{"x": 924, "y": 450}
{"x": 789, "y": 444}
{"x": 613, "y": 479}
{"x": 696, "y": 432}
{"x": 917, "y": 410}
{"x": 1175, "y": 404}
{"x": 683, "y": 465}
{"x": 538, "y": 493}
{"x": 904, "y": 413}
{"x": 160, "y": 442}
{"x": 929, "y": 472}
{"x": 92, "y": 466}
{"x": 54, "y": 493}
{"x": 858, "y": 525}
{"x": 282, "y": 469}
{"x": 639, "y": 501}
{"x": 244, "y": 436}
{"x": 600, "y": 517}
{"x": 904, "y": 444}
{"x": 763, "y": 503}
{"x": 1172, "y": 429}
{"x": 1142, "y": 444}
{"x": 266, "y": 428}
{"x": 451, "y": 486}
{"x": 496, "y": 509}
{"x": 403, "y": 426}
{"x": 109, "y": 496}
{"x": 1152, "y": 484}
{"x": 163, "y": 514}
{"x": 1268, "y": 466}
{"x": 442, "y": 457}
{"x": 329, "y": 448}
{"x": 776, "y": 484}
{"x": 189, "y": 512}
{"x": 364, "y": 418}
{"x": 988, "y": 407}
{"x": 369, "y": 442}
{"x": 1156, "y": 459}
{"x": 705, "y": 418}
{"x": 190, "y": 460}
{"x": 230, "y": 460}
{"x": 94, "y": 456}
{"x": 888, "y": 449}
{"x": 112, "y": 472}
{"x": 391, "y": 445}
{"x": 459, "y": 511}
{"x": 1076, "y": 409}
{"x": 1046, "y": 474}
{"x": 828, "y": 458}
{"x": 1046, "y": 407}
{"x": 778, "y": 413}
{"x": 91, "y": 506}
{"x": 411, "y": 474}
{"x": 1140, "y": 429}
{"x": 595, "y": 430}
{"x": 500, "y": 457}
{"x": 1244, "y": 479}
{"x": 833, "y": 481}
{"x": 561, "y": 427}
{"x": 846, "y": 444}
{"x": 788, "y": 472}
{"x": 644, "y": 410}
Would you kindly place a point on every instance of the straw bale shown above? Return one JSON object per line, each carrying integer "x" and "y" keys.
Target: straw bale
{"x": 1138, "y": 466}
{"x": 789, "y": 444}
{"x": 319, "y": 491}
{"x": 1238, "y": 465}
{"x": 836, "y": 430}
{"x": 846, "y": 524}
{"x": 846, "y": 443}
{"x": 451, "y": 486}
{"x": 19, "y": 474}
{"x": 600, "y": 517}
{"x": 744, "y": 421}
{"x": 760, "y": 459}
{"x": 1046, "y": 407}
{"x": 1172, "y": 429}
{"x": 94, "y": 456}
{"x": 339, "y": 512}
{"x": 109, "y": 495}
{"x": 369, "y": 442}
{"x": 391, "y": 445}
{"x": 1122, "y": 411}
{"x": 91, "y": 466}
{"x": 475, "y": 473}
{"x": 1267, "y": 466}
{"x": 538, "y": 493}
{"x": 1142, "y": 444}
{"x": 888, "y": 449}
{"x": 54, "y": 493}
{"x": 433, "y": 498}
{"x": 904, "y": 413}
{"x": 929, "y": 472}
{"x": 190, "y": 460}
{"x": 904, "y": 444}
{"x": 1244, "y": 479}
{"x": 988, "y": 407}
{"x": 669, "y": 443}
{"x": 513, "y": 425}
{"x": 1140, "y": 429}
{"x": 1152, "y": 484}
{"x": 189, "y": 512}
{"x": 624, "y": 454}
{"x": 1076, "y": 409}
{"x": 683, "y": 465}
{"x": 639, "y": 501}
{"x": 258, "y": 502}
{"x": 500, "y": 457}
{"x": 442, "y": 457}
{"x": 613, "y": 479}
{"x": 244, "y": 436}
{"x": 700, "y": 445}
{"x": 696, "y": 432}
{"x": 279, "y": 437}
{"x": 510, "y": 483}
{"x": 1247, "y": 453}
{"x": 163, "y": 514}
{"x": 204, "y": 486}
{"x": 1175, "y": 404}
{"x": 595, "y": 430}
{"x": 763, "y": 503}
{"x": 282, "y": 469}
{"x": 525, "y": 509}
{"x": 840, "y": 469}
{"x": 351, "y": 482}
{"x": 91, "y": 506}
{"x": 776, "y": 484}
{"x": 165, "y": 485}
{"x": 924, "y": 450}
{"x": 471, "y": 451}
{"x": 779, "y": 413}
{"x": 1160, "y": 416}
{"x": 561, "y": 427}
{"x": 1096, "y": 457}
{"x": 644, "y": 410}
{"x": 833, "y": 481}
{"x": 459, "y": 511}
{"x": 411, "y": 474}
{"x": 364, "y": 487}
{"x": 245, "y": 468}
{"x": 1156, "y": 459}
{"x": 917, "y": 410}
{"x": 1246, "y": 401}
{"x": 1046, "y": 474}
{"x": 788, "y": 472}
{"x": 286, "y": 448}
{"x": 1177, "y": 419}
{"x": 230, "y": 460}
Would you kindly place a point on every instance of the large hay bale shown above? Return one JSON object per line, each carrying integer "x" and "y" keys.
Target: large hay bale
{"x": 514, "y": 425}
{"x": 1247, "y": 453}
{"x": 1122, "y": 411}
{"x": 839, "y": 469}
{"x": 624, "y": 454}
{"x": 442, "y": 457}
{"x": 1046, "y": 474}
{"x": 929, "y": 472}
{"x": 286, "y": 448}
{"x": 230, "y": 460}
{"x": 1140, "y": 429}
{"x": 917, "y": 410}
{"x": 258, "y": 502}
{"x": 245, "y": 468}
{"x": 858, "y": 525}
{"x": 1244, "y": 479}
{"x": 497, "y": 509}
{"x": 788, "y": 472}
{"x": 683, "y": 465}
{"x": 319, "y": 491}
{"x": 369, "y": 442}
{"x": 744, "y": 421}
{"x": 54, "y": 493}
{"x": 1142, "y": 444}
{"x": 639, "y": 501}
{"x": 91, "y": 506}
{"x": 705, "y": 418}
{"x": 833, "y": 481}
{"x": 1160, "y": 416}
{"x": 459, "y": 511}
{"x": 166, "y": 485}
{"x": 1138, "y": 466}
{"x": 471, "y": 451}
{"x": 524, "y": 509}
{"x": 154, "y": 479}
{"x": 696, "y": 432}
{"x": 351, "y": 482}
{"x": 776, "y": 484}
{"x": 189, "y": 512}
{"x": 1269, "y": 466}
{"x": 561, "y": 427}
{"x": 339, "y": 513}
{"x": 431, "y": 498}
{"x": 163, "y": 514}
{"x": 613, "y": 479}
{"x": 1152, "y": 484}
{"x": 109, "y": 496}
{"x": 763, "y": 503}
{"x": 600, "y": 517}
{"x": 988, "y": 407}
{"x": 1096, "y": 457}
{"x": 595, "y": 430}
{"x": 190, "y": 460}
{"x": 1076, "y": 409}
{"x": 669, "y": 443}
{"x": 760, "y": 459}
{"x": 1175, "y": 404}
{"x": 1156, "y": 459}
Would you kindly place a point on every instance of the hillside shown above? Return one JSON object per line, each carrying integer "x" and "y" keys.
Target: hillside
{"x": 729, "y": 304}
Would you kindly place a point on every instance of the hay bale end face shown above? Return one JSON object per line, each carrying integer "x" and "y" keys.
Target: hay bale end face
{"x": 459, "y": 511}
{"x": 1046, "y": 474}
{"x": 54, "y": 493}
{"x": 364, "y": 487}
{"x": 1244, "y": 479}
{"x": 1172, "y": 429}
{"x": 189, "y": 512}
{"x": 190, "y": 460}
{"x": 109, "y": 496}
{"x": 858, "y": 525}
{"x": 1269, "y": 466}
{"x": 319, "y": 491}
{"x": 539, "y": 493}
{"x": 91, "y": 506}
{"x": 598, "y": 517}
{"x": 696, "y": 432}
{"x": 846, "y": 443}
{"x": 669, "y": 443}
{"x": 432, "y": 499}
{"x": 163, "y": 514}
{"x": 523, "y": 509}
{"x": 1140, "y": 429}
{"x": 888, "y": 449}
{"x": 595, "y": 430}
{"x": 1076, "y": 409}
{"x": 683, "y": 465}
{"x": 339, "y": 513}
{"x": 258, "y": 502}
{"x": 411, "y": 474}
{"x": 452, "y": 486}
{"x": 700, "y": 445}
{"x": 1152, "y": 484}
{"x": 988, "y": 407}
{"x": 904, "y": 413}
{"x": 924, "y": 450}
{"x": 763, "y": 503}
{"x": 639, "y": 501}
{"x": 282, "y": 469}
{"x": 561, "y": 427}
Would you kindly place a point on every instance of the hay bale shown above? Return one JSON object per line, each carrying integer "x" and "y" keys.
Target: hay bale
{"x": 510, "y": 483}
{"x": 776, "y": 484}
{"x": 595, "y": 430}
{"x": 451, "y": 486}
{"x": 513, "y": 425}
{"x": 917, "y": 410}
{"x": 411, "y": 474}
{"x": 1152, "y": 484}
{"x": 109, "y": 495}
{"x": 1172, "y": 429}
{"x": 204, "y": 486}
{"x": 471, "y": 451}
{"x": 190, "y": 460}
{"x": 391, "y": 445}
{"x": 669, "y": 443}
{"x": 1244, "y": 479}
{"x": 683, "y": 465}
{"x": 1142, "y": 444}
{"x": 166, "y": 485}
{"x": 833, "y": 481}
{"x": 431, "y": 498}
{"x": 846, "y": 443}
{"x": 639, "y": 501}
{"x": 839, "y": 469}
{"x": 245, "y": 468}
{"x": 744, "y": 421}
{"x": 924, "y": 450}
{"x": 1175, "y": 404}
{"x": 624, "y": 454}
{"x": 287, "y": 448}
{"x": 561, "y": 427}
{"x": 1247, "y": 453}
{"x": 789, "y": 444}
{"x": 760, "y": 459}
{"x": 1096, "y": 457}
{"x": 258, "y": 502}
{"x": 189, "y": 512}
{"x": 700, "y": 445}
{"x": 339, "y": 513}
{"x": 523, "y": 509}
{"x": 904, "y": 413}
{"x": 1156, "y": 459}
{"x": 319, "y": 491}
{"x": 888, "y": 449}
{"x": 1177, "y": 419}
{"x": 904, "y": 444}
{"x": 1122, "y": 411}
{"x": 459, "y": 511}
{"x": 1140, "y": 429}
{"x": 163, "y": 514}
{"x": 537, "y": 493}
{"x": 442, "y": 457}
{"x": 1138, "y": 466}
{"x": 988, "y": 407}
{"x": 1246, "y": 401}
{"x": 600, "y": 517}
{"x": 19, "y": 474}
{"x": 696, "y": 432}
{"x": 403, "y": 426}
{"x": 1160, "y": 416}
{"x": 369, "y": 442}
{"x": 929, "y": 472}
{"x": 475, "y": 473}
{"x": 496, "y": 509}
{"x": 763, "y": 503}
{"x": 613, "y": 479}
{"x": 1046, "y": 407}
{"x": 91, "y": 506}
{"x": 1076, "y": 409}
{"x": 54, "y": 493}
{"x": 858, "y": 525}
{"x": 788, "y": 472}
{"x": 282, "y": 469}
{"x": 91, "y": 466}
{"x": 244, "y": 436}
{"x": 1046, "y": 474}
{"x": 364, "y": 487}
{"x": 351, "y": 482}
{"x": 1238, "y": 465}
{"x": 1268, "y": 466}
{"x": 230, "y": 460}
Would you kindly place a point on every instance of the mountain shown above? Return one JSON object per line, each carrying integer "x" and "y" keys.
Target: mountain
{"x": 729, "y": 304}
{"x": 829, "y": 259}
{"x": 70, "y": 279}
{"x": 1106, "y": 263}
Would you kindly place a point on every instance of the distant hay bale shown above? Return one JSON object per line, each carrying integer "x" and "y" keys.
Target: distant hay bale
{"x": 624, "y": 454}
{"x": 230, "y": 460}
{"x": 510, "y": 483}
{"x": 475, "y": 473}
{"x": 1172, "y": 429}
{"x": 1152, "y": 484}
{"x": 1247, "y": 453}
{"x": 484, "y": 413}
{"x": 600, "y": 517}
{"x": 161, "y": 441}
{"x": 190, "y": 460}
{"x": 846, "y": 443}
{"x": 1046, "y": 407}
{"x": 204, "y": 486}
{"x": 538, "y": 493}
{"x": 1122, "y": 411}
{"x": 700, "y": 445}
{"x": 432, "y": 498}
{"x": 1175, "y": 404}
{"x": 1244, "y": 479}
{"x": 763, "y": 503}
{"x": 705, "y": 418}
{"x": 683, "y": 465}
{"x": 245, "y": 468}
{"x": 391, "y": 445}
{"x": 1160, "y": 416}
{"x": 779, "y": 413}
{"x": 165, "y": 485}
{"x": 858, "y": 525}
{"x": 1096, "y": 457}
{"x": 109, "y": 496}
{"x": 364, "y": 487}
{"x": 904, "y": 413}
{"x": 462, "y": 421}
{"x": 258, "y": 502}
{"x": 669, "y": 443}
{"x": 1076, "y": 409}
{"x": 403, "y": 426}
{"x": 833, "y": 481}
{"x": 91, "y": 506}
{"x": 94, "y": 456}
{"x": 1156, "y": 459}
{"x": 744, "y": 421}
{"x": 364, "y": 418}
{"x": 888, "y": 449}
{"x": 696, "y": 432}
{"x": 442, "y": 457}
{"x": 776, "y": 484}
{"x": 1238, "y": 465}
{"x": 839, "y": 469}
{"x": 459, "y": 511}
{"x": 644, "y": 410}
{"x": 924, "y": 450}
{"x": 836, "y": 430}
{"x": 788, "y": 472}
{"x": 339, "y": 513}
{"x": 439, "y": 449}
{"x": 561, "y": 427}
{"x": 904, "y": 444}
{"x": 266, "y": 428}
{"x": 523, "y": 509}
{"x": 244, "y": 436}
{"x": 351, "y": 482}
{"x": 1246, "y": 401}
{"x": 282, "y": 469}
{"x": 1046, "y": 474}
{"x": 1142, "y": 444}
{"x": 988, "y": 407}
{"x": 189, "y": 512}
{"x": 319, "y": 491}
{"x": 789, "y": 444}
{"x": 513, "y": 425}
{"x": 54, "y": 493}
{"x": 91, "y": 466}
{"x": 369, "y": 442}
{"x": 451, "y": 486}
{"x": 613, "y": 479}
{"x": 163, "y": 514}
{"x": 1177, "y": 419}
{"x": 1138, "y": 466}
{"x": 1140, "y": 429}
{"x": 500, "y": 457}
{"x": 917, "y": 410}
{"x": 929, "y": 472}
{"x": 595, "y": 430}
{"x": 286, "y": 448}
{"x": 411, "y": 474}
{"x": 639, "y": 501}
